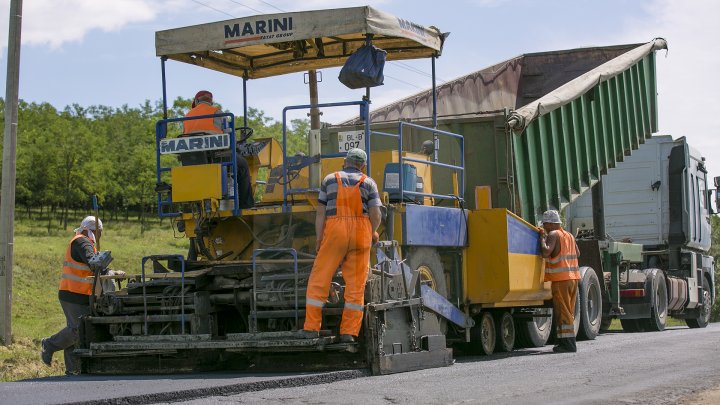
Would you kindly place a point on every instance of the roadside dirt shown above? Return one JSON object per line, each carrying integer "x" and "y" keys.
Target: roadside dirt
{"x": 711, "y": 396}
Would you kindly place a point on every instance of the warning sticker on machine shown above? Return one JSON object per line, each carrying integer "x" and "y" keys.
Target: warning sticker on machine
{"x": 392, "y": 180}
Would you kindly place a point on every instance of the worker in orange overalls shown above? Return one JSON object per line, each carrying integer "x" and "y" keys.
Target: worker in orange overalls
{"x": 348, "y": 215}
{"x": 561, "y": 268}
{"x": 74, "y": 292}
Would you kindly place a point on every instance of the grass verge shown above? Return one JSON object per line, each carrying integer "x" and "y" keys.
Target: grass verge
{"x": 38, "y": 255}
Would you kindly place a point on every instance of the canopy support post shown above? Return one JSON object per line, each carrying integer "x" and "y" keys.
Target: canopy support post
{"x": 164, "y": 86}
{"x": 245, "y": 106}
{"x": 436, "y": 139}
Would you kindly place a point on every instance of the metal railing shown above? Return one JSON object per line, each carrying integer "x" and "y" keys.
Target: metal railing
{"x": 364, "y": 114}
{"x": 402, "y": 159}
{"x": 457, "y": 168}
{"x": 161, "y": 133}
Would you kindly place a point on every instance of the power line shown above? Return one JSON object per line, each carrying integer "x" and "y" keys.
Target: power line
{"x": 273, "y": 6}
{"x": 415, "y": 70}
{"x": 246, "y": 6}
{"x": 213, "y": 8}
{"x": 401, "y": 81}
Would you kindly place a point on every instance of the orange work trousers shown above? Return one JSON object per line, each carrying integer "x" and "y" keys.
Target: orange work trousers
{"x": 564, "y": 295}
{"x": 346, "y": 240}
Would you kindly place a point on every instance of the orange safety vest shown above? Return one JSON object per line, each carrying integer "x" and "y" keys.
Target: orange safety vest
{"x": 564, "y": 266}
{"x": 75, "y": 274}
{"x": 202, "y": 124}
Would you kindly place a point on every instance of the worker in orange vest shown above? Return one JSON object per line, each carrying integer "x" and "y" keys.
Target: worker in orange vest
{"x": 561, "y": 268}
{"x": 203, "y": 105}
{"x": 75, "y": 290}
{"x": 348, "y": 215}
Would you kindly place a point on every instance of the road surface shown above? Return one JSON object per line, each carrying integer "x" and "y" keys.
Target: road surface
{"x": 678, "y": 365}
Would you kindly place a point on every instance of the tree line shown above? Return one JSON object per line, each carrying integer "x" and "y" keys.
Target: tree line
{"x": 66, "y": 156}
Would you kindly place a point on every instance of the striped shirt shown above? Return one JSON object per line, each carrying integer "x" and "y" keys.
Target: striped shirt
{"x": 349, "y": 177}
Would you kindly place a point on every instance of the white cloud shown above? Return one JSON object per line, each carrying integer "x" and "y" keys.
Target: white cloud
{"x": 55, "y": 22}
{"x": 688, "y": 77}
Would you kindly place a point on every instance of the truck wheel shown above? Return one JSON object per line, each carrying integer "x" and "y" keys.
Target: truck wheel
{"x": 482, "y": 335}
{"x": 590, "y": 306}
{"x": 658, "y": 311}
{"x": 535, "y": 332}
{"x": 427, "y": 262}
{"x": 703, "y": 317}
{"x": 505, "y": 330}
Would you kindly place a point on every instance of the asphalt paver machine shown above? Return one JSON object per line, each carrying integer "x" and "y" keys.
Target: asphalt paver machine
{"x": 237, "y": 298}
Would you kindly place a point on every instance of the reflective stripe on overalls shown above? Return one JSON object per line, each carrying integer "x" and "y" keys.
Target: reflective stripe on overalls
{"x": 347, "y": 238}
{"x": 564, "y": 273}
{"x": 75, "y": 274}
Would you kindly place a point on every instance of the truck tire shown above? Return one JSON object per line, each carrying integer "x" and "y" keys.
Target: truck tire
{"x": 482, "y": 335}
{"x": 590, "y": 305}
{"x": 659, "y": 303}
{"x": 536, "y": 331}
{"x": 703, "y": 317}
{"x": 426, "y": 261}
{"x": 505, "y": 332}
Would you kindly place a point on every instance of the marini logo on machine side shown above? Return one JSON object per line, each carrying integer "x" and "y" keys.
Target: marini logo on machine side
{"x": 258, "y": 29}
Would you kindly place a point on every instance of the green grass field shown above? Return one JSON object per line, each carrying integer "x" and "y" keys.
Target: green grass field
{"x": 38, "y": 255}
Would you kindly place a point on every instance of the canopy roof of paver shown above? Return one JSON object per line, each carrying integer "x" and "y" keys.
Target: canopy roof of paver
{"x": 276, "y": 44}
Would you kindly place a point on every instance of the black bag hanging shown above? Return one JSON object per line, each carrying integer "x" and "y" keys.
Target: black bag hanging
{"x": 364, "y": 68}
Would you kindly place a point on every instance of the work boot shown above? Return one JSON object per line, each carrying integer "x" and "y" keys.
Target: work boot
{"x": 45, "y": 353}
{"x": 565, "y": 345}
{"x": 308, "y": 334}
{"x": 346, "y": 339}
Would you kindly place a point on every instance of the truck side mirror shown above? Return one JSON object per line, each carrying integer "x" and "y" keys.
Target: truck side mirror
{"x": 717, "y": 182}
{"x": 709, "y": 199}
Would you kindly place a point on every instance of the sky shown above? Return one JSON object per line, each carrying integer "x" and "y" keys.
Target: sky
{"x": 101, "y": 52}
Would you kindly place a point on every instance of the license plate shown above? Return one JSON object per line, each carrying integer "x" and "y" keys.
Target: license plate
{"x": 351, "y": 139}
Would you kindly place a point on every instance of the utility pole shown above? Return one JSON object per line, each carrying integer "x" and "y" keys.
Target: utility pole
{"x": 7, "y": 191}
{"x": 314, "y": 135}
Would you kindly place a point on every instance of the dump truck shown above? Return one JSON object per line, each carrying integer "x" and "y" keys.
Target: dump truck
{"x": 658, "y": 204}
{"x": 464, "y": 170}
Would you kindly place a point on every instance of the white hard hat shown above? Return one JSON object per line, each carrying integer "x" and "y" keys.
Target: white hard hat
{"x": 89, "y": 224}
{"x": 551, "y": 217}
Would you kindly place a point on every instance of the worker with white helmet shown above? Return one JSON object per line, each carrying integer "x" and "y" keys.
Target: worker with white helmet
{"x": 76, "y": 287}
{"x": 561, "y": 268}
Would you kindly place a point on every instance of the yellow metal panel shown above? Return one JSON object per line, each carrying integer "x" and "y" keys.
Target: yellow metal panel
{"x": 526, "y": 273}
{"x": 196, "y": 183}
{"x": 483, "y": 197}
{"x": 487, "y": 259}
{"x": 494, "y": 275}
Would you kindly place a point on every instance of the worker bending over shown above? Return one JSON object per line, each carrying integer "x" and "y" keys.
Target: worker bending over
{"x": 75, "y": 290}
{"x": 348, "y": 215}
{"x": 561, "y": 268}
